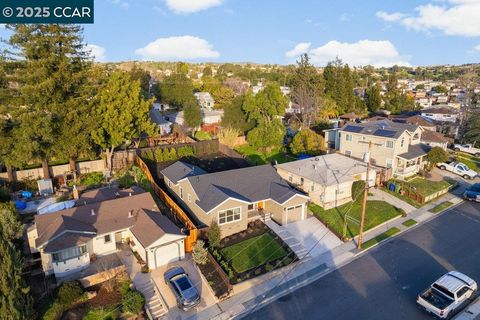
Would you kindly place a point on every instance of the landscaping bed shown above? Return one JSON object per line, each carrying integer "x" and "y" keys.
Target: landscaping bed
{"x": 418, "y": 191}
{"x": 409, "y": 223}
{"x": 253, "y": 252}
{"x": 440, "y": 207}
{"x": 387, "y": 234}
{"x": 377, "y": 212}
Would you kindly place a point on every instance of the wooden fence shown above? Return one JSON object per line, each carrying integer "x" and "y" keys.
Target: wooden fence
{"x": 176, "y": 210}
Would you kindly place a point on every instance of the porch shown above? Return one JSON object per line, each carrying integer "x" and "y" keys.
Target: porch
{"x": 259, "y": 215}
{"x": 411, "y": 162}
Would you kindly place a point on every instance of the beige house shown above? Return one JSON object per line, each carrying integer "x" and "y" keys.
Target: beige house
{"x": 326, "y": 179}
{"x": 68, "y": 240}
{"x": 235, "y": 197}
{"x": 392, "y": 145}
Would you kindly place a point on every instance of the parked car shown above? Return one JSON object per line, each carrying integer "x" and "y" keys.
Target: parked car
{"x": 472, "y": 193}
{"x": 458, "y": 168}
{"x": 185, "y": 292}
{"x": 467, "y": 148}
{"x": 448, "y": 295}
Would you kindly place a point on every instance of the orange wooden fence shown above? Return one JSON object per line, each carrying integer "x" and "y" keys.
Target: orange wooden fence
{"x": 177, "y": 211}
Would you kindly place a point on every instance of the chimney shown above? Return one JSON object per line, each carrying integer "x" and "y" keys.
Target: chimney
{"x": 76, "y": 194}
{"x": 92, "y": 212}
{"x": 130, "y": 214}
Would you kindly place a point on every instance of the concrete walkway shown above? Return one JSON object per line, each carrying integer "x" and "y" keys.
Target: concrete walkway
{"x": 292, "y": 277}
{"x": 290, "y": 240}
{"x": 381, "y": 195}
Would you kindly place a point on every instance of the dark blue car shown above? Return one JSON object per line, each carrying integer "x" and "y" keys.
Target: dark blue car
{"x": 472, "y": 193}
{"x": 185, "y": 292}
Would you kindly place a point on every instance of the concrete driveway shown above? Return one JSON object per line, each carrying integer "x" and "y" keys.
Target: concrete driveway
{"x": 208, "y": 299}
{"x": 310, "y": 231}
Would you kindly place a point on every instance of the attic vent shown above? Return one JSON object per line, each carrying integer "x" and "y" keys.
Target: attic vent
{"x": 92, "y": 212}
{"x": 130, "y": 214}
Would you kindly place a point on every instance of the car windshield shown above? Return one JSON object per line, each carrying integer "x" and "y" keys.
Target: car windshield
{"x": 183, "y": 283}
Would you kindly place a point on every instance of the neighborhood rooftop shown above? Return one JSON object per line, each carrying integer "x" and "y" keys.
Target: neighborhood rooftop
{"x": 381, "y": 128}
{"x": 250, "y": 184}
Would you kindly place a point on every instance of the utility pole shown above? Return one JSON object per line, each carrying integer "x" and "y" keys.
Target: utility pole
{"x": 364, "y": 200}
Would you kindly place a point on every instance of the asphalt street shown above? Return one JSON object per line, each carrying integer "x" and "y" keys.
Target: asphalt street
{"x": 384, "y": 282}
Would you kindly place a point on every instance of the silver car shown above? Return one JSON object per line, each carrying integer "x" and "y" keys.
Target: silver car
{"x": 185, "y": 292}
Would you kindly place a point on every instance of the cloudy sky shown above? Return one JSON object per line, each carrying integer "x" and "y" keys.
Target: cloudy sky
{"x": 380, "y": 33}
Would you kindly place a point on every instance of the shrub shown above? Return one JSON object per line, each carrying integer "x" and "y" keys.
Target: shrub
{"x": 358, "y": 188}
{"x": 268, "y": 267}
{"x": 258, "y": 271}
{"x": 228, "y": 136}
{"x": 101, "y": 314}
{"x": 308, "y": 142}
{"x": 69, "y": 293}
{"x": 186, "y": 151}
{"x": 214, "y": 234}
{"x": 199, "y": 253}
{"x": 132, "y": 302}
{"x": 124, "y": 287}
{"x": 54, "y": 312}
{"x": 91, "y": 179}
{"x": 202, "y": 135}
{"x": 4, "y": 195}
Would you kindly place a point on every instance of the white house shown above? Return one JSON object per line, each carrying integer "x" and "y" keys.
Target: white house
{"x": 68, "y": 240}
{"x": 205, "y": 100}
{"x": 441, "y": 113}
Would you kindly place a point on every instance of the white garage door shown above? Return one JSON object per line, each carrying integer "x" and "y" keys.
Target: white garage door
{"x": 168, "y": 253}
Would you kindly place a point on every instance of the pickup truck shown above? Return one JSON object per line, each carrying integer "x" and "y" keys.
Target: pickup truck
{"x": 458, "y": 168}
{"x": 468, "y": 148}
{"x": 472, "y": 193}
{"x": 448, "y": 295}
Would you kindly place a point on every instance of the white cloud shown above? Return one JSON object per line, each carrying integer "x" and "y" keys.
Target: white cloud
{"x": 190, "y": 6}
{"x": 390, "y": 17}
{"x": 98, "y": 53}
{"x": 178, "y": 48}
{"x": 361, "y": 53}
{"x": 477, "y": 47}
{"x": 452, "y": 17}
{"x": 299, "y": 49}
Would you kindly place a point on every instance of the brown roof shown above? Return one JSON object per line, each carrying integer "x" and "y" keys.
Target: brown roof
{"x": 67, "y": 240}
{"x": 99, "y": 218}
{"x": 420, "y": 121}
{"x": 432, "y": 136}
{"x": 107, "y": 193}
{"x": 150, "y": 226}
{"x": 351, "y": 115}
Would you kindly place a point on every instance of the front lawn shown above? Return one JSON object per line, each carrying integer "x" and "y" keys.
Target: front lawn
{"x": 440, "y": 207}
{"x": 257, "y": 157}
{"x": 377, "y": 212}
{"x": 253, "y": 252}
{"x": 426, "y": 187}
{"x": 387, "y": 234}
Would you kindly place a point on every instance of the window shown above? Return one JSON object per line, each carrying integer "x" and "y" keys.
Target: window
{"x": 402, "y": 142}
{"x": 462, "y": 291}
{"x": 181, "y": 193}
{"x": 69, "y": 253}
{"x": 348, "y": 137}
{"x": 169, "y": 183}
{"x": 389, "y": 163}
{"x": 312, "y": 188}
{"x": 348, "y": 153}
{"x": 389, "y": 144}
{"x": 301, "y": 181}
{"x": 250, "y": 207}
{"x": 189, "y": 197}
{"x": 229, "y": 215}
{"x": 416, "y": 136}
{"x": 107, "y": 238}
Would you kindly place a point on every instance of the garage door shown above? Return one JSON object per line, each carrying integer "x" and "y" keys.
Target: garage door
{"x": 168, "y": 253}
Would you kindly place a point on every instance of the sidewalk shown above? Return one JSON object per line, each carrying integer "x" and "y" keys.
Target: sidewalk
{"x": 290, "y": 278}
{"x": 381, "y": 195}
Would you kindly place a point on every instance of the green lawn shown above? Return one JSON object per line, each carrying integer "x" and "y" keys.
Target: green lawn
{"x": 409, "y": 223}
{"x": 253, "y": 252}
{"x": 387, "y": 234}
{"x": 427, "y": 187}
{"x": 257, "y": 157}
{"x": 377, "y": 212}
{"x": 442, "y": 206}
{"x": 403, "y": 198}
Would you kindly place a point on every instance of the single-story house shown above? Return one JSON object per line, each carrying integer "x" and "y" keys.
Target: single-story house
{"x": 434, "y": 139}
{"x": 67, "y": 240}
{"x": 232, "y": 198}
{"x": 164, "y": 126}
{"x": 326, "y": 179}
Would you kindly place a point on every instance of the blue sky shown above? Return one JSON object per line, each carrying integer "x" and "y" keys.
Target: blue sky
{"x": 276, "y": 31}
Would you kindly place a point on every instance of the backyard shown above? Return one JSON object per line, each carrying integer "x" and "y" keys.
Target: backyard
{"x": 377, "y": 212}
{"x": 257, "y": 157}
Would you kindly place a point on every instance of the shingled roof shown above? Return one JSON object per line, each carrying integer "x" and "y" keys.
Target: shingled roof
{"x": 180, "y": 170}
{"x": 380, "y": 128}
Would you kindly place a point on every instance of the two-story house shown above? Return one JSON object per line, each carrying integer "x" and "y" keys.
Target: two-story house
{"x": 441, "y": 113}
{"x": 390, "y": 145}
{"x": 232, "y": 198}
{"x": 68, "y": 240}
{"x": 205, "y": 100}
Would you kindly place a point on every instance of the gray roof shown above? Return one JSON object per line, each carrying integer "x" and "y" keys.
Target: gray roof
{"x": 157, "y": 117}
{"x": 415, "y": 151}
{"x": 145, "y": 231}
{"x": 180, "y": 170}
{"x": 106, "y": 193}
{"x": 440, "y": 109}
{"x": 63, "y": 229}
{"x": 326, "y": 170}
{"x": 250, "y": 184}
{"x": 380, "y": 128}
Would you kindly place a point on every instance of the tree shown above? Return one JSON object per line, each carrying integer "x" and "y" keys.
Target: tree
{"x": 223, "y": 96}
{"x": 214, "y": 235}
{"x": 440, "y": 89}
{"x": 207, "y": 71}
{"x": 121, "y": 112}
{"x": 132, "y": 302}
{"x": 328, "y": 110}
{"x": 52, "y": 75}
{"x": 373, "y": 98}
{"x": 235, "y": 117}
{"x": 237, "y": 85}
{"x": 176, "y": 90}
{"x": 436, "y": 155}
{"x": 199, "y": 253}
{"x": 472, "y": 128}
{"x": 10, "y": 225}
{"x": 264, "y": 109}
{"x": 137, "y": 73}
{"x": 192, "y": 114}
{"x": 308, "y": 142}
{"x": 182, "y": 68}
{"x": 307, "y": 90}
{"x": 339, "y": 85}
{"x": 15, "y": 301}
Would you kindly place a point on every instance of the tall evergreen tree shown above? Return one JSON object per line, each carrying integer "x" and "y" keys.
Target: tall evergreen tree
{"x": 373, "y": 99}
{"x": 176, "y": 90}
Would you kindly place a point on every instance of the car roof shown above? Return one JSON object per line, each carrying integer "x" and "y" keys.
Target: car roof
{"x": 454, "y": 281}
